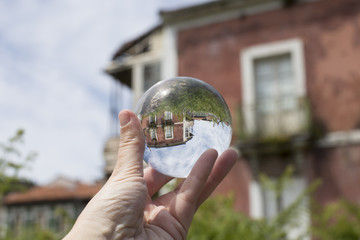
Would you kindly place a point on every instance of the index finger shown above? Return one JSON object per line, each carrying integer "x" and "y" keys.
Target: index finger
{"x": 221, "y": 168}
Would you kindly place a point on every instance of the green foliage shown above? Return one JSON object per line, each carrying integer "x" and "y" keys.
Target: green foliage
{"x": 41, "y": 232}
{"x": 36, "y": 233}
{"x": 337, "y": 221}
{"x": 216, "y": 218}
{"x": 186, "y": 99}
{"x": 12, "y": 160}
{"x": 277, "y": 186}
{"x": 68, "y": 220}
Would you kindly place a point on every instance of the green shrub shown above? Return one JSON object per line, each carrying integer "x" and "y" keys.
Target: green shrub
{"x": 217, "y": 220}
{"x": 337, "y": 221}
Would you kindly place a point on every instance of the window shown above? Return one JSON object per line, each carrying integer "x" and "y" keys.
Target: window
{"x": 152, "y": 119}
{"x": 265, "y": 204}
{"x": 276, "y": 98}
{"x": 273, "y": 204}
{"x": 169, "y": 132}
{"x": 273, "y": 84}
{"x": 153, "y": 134}
{"x": 54, "y": 223}
{"x": 168, "y": 115}
{"x": 40, "y": 216}
{"x": 188, "y": 131}
{"x": 30, "y": 218}
{"x": 151, "y": 75}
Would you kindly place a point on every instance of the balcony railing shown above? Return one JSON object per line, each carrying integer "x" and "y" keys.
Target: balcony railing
{"x": 275, "y": 119}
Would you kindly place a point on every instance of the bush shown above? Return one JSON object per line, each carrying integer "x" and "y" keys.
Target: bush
{"x": 337, "y": 221}
{"x": 217, "y": 220}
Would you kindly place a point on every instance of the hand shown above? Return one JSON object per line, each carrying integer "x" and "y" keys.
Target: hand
{"x": 123, "y": 208}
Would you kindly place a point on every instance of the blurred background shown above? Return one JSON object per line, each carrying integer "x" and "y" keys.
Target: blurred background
{"x": 288, "y": 70}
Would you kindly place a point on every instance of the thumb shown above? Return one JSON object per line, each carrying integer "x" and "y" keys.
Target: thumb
{"x": 131, "y": 148}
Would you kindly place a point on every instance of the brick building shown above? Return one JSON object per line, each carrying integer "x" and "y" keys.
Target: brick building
{"x": 54, "y": 206}
{"x": 166, "y": 129}
{"x": 289, "y": 71}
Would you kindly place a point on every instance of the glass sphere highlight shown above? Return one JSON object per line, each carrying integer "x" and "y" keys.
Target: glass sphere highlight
{"x": 181, "y": 118}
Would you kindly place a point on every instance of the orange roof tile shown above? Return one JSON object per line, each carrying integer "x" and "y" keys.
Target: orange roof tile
{"x": 53, "y": 193}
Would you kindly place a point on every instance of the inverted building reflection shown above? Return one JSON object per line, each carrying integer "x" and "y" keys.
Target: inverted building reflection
{"x": 168, "y": 129}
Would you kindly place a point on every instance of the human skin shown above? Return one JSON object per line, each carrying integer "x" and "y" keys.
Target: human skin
{"x": 124, "y": 209}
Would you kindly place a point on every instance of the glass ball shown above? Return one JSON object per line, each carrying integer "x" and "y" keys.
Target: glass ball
{"x": 181, "y": 118}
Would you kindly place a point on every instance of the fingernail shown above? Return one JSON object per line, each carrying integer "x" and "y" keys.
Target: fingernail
{"x": 124, "y": 118}
{"x": 236, "y": 150}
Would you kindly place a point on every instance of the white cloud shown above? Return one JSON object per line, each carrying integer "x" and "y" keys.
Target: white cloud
{"x": 51, "y": 83}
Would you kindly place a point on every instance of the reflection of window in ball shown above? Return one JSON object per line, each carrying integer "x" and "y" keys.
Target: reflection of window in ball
{"x": 153, "y": 134}
{"x": 181, "y": 118}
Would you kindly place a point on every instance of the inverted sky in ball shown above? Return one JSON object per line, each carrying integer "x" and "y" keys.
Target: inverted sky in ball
{"x": 181, "y": 118}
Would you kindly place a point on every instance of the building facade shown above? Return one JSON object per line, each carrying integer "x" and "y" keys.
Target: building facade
{"x": 54, "y": 207}
{"x": 167, "y": 129}
{"x": 289, "y": 72}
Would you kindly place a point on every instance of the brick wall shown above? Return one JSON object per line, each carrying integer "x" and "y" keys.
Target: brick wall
{"x": 339, "y": 170}
{"x": 330, "y": 31}
{"x": 177, "y": 126}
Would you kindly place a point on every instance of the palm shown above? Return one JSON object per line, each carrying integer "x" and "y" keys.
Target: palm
{"x": 160, "y": 223}
{"x": 170, "y": 215}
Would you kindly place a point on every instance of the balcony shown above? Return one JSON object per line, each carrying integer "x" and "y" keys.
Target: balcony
{"x": 265, "y": 131}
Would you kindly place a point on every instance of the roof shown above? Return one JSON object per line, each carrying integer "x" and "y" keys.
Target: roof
{"x": 127, "y": 45}
{"x": 189, "y": 12}
{"x": 213, "y": 7}
{"x": 205, "y": 9}
{"x": 54, "y": 192}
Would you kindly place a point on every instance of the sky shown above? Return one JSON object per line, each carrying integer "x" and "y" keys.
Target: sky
{"x": 207, "y": 135}
{"x": 52, "y": 81}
